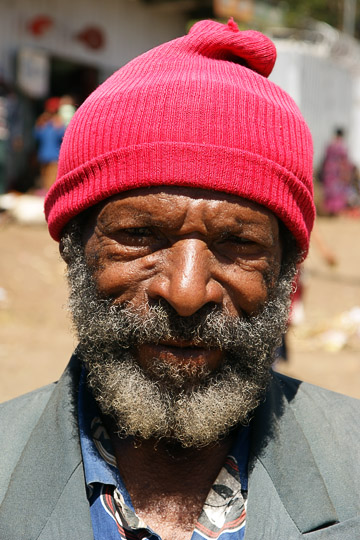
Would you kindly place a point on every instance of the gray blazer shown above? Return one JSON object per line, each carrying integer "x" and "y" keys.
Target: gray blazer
{"x": 304, "y": 470}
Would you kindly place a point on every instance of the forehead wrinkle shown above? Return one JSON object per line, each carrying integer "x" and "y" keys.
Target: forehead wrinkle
{"x": 158, "y": 211}
{"x": 124, "y": 209}
{"x": 183, "y": 212}
{"x": 130, "y": 217}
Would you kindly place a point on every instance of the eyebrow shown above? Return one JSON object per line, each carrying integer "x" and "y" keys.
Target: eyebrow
{"x": 130, "y": 212}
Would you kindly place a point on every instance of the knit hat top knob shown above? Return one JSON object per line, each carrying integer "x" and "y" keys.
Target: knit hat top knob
{"x": 197, "y": 111}
{"x": 248, "y": 48}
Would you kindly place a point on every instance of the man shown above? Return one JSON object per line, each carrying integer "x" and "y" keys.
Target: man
{"x": 183, "y": 204}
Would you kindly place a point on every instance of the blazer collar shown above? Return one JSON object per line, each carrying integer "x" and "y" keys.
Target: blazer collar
{"x": 279, "y": 445}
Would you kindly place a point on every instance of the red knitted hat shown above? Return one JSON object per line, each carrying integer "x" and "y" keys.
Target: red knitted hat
{"x": 197, "y": 111}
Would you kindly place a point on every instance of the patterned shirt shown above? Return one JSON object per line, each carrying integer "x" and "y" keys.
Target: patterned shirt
{"x": 112, "y": 513}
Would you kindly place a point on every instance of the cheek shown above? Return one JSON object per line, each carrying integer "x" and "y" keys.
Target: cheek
{"x": 124, "y": 281}
{"x": 116, "y": 273}
{"x": 247, "y": 289}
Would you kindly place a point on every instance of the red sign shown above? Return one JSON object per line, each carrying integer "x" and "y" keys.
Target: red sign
{"x": 39, "y": 25}
{"x": 92, "y": 37}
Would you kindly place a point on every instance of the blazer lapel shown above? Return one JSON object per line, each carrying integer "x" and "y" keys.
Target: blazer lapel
{"x": 281, "y": 457}
{"x": 46, "y": 497}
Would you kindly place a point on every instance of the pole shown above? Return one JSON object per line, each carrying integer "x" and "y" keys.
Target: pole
{"x": 349, "y": 14}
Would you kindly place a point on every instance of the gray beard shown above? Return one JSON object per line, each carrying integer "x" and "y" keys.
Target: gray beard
{"x": 184, "y": 404}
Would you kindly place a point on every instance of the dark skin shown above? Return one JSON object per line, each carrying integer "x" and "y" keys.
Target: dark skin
{"x": 190, "y": 248}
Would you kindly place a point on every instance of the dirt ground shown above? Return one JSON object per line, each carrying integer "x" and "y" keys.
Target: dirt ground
{"x": 35, "y": 331}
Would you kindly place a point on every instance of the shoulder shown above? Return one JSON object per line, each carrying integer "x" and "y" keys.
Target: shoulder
{"x": 302, "y": 393}
{"x": 18, "y": 417}
{"x": 27, "y": 404}
{"x": 330, "y": 423}
{"x": 329, "y": 419}
{"x": 309, "y": 445}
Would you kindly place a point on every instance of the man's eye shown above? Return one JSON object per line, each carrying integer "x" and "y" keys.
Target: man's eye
{"x": 138, "y": 232}
{"x": 135, "y": 236}
{"x": 234, "y": 246}
{"x": 239, "y": 240}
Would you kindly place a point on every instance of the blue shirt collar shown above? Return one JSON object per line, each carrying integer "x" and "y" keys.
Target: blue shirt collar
{"x": 96, "y": 468}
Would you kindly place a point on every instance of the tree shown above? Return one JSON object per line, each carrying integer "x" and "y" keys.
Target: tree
{"x": 297, "y": 13}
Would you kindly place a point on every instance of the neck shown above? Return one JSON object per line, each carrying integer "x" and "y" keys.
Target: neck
{"x": 168, "y": 484}
{"x": 167, "y": 466}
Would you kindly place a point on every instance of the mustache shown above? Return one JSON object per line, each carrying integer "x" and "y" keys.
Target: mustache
{"x": 212, "y": 327}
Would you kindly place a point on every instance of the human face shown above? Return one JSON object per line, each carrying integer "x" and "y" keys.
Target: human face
{"x": 186, "y": 247}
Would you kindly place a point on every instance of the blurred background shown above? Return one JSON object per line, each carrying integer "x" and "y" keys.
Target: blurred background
{"x": 53, "y": 54}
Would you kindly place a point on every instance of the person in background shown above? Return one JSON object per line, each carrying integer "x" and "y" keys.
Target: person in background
{"x": 66, "y": 109}
{"x": 48, "y": 132}
{"x": 4, "y": 134}
{"x": 336, "y": 174}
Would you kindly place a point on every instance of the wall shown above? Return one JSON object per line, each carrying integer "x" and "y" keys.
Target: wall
{"x": 130, "y": 27}
{"x": 65, "y": 63}
{"x": 324, "y": 90}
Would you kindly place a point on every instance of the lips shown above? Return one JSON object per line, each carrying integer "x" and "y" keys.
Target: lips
{"x": 179, "y": 352}
{"x": 182, "y": 344}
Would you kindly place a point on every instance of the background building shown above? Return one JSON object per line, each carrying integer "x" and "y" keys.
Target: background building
{"x": 320, "y": 68}
{"x": 52, "y": 47}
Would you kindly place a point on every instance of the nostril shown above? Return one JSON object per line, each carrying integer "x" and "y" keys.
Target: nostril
{"x": 186, "y": 282}
{"x": 178, "y": 323}
{"x": 186, "y": 296}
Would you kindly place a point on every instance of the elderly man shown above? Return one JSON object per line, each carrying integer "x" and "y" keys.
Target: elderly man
{"x": 183, "y": 204}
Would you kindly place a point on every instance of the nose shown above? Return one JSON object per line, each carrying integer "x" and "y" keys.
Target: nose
{"x": 186, "y": 280}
